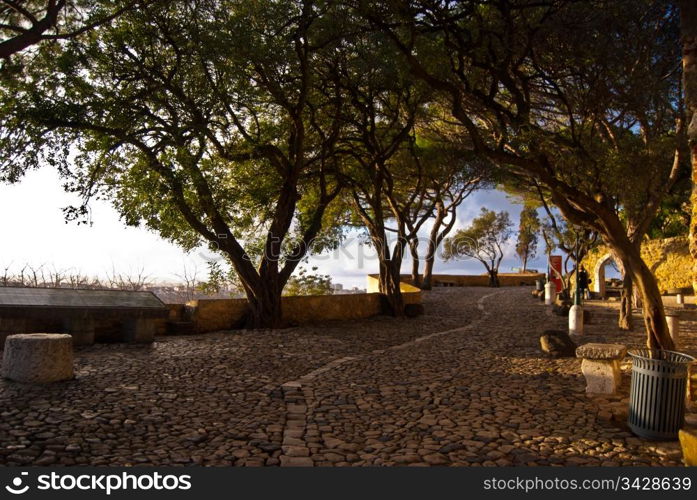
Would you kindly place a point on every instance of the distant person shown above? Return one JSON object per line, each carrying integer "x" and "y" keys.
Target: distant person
{"x": 583, "y": 282}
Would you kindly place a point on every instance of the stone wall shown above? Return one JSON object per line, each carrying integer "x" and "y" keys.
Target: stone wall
{"x": 211, "y": 315}
{"x": 669, "y": 259}
{"x": 505, "y": 279}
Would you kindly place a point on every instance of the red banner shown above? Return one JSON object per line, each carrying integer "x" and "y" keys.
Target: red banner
{"x": 555, "y": 271}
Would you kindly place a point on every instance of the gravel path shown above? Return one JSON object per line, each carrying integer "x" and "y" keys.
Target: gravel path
{"x": 465, "y": 384}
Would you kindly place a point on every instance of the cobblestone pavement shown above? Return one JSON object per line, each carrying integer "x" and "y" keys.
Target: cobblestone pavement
{"x": 465, "y": 384}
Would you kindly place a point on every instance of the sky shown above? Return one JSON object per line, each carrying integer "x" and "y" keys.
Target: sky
{"x": 33, "y": 231}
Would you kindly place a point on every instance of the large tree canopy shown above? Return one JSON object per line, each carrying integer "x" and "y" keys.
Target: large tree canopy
{"x": 203, "y": 120}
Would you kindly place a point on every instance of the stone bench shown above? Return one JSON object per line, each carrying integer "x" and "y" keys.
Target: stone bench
{"x": 601, "y": 366}
{"x": 679, "y": 295}
{"x": 38, "y": 358}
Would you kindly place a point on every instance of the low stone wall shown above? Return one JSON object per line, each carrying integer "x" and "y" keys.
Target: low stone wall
{"x": 177, "y": 312}
{"x": 211, "y": 315}
{"x": 505, "y": 279}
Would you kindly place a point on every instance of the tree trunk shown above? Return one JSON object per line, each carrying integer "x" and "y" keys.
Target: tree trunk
{"x": 389, "y": 287}
{"x": 390, "y": 269}
{"x": 688, "y": 31}
{"x": 427, "y": 282}
{"x": 414, "y": 251}
{"x": 434, "y": 239}
{"x": 625, "y": 318}
{"x": 265, "y": 309}
{"x": 658, "y": 336}
{"x": 494, "y": 278}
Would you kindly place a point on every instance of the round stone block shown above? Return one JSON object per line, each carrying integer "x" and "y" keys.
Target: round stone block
{"x": 576, "y": 320}
{"x": 550, "y": 293}
{"x": 38, "y": 357}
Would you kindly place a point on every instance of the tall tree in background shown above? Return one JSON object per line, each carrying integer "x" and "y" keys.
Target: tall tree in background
{"x": 452, "y": 175}
{"x": 384, "y": 103}
{"x": 483, "y": 240}
{"x": 528, "y": 229}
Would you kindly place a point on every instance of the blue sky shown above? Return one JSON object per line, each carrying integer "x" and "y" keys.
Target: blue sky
{"x": 34, "y": 232}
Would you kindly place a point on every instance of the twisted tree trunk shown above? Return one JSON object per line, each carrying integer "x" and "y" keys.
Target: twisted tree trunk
{"x": 625, "y": 321}
{"x": 688, "y": 31}
{"x": 414, "y": 251}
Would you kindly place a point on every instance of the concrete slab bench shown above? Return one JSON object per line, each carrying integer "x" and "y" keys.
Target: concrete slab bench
{"x": 679, "y": 295}
{"x": 601, "y": 366}
{"x": 38, "y": 358}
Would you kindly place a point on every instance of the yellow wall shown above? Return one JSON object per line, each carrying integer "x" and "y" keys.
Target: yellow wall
{"x": 412, "y": 295}
{"x": 668, "y": 259}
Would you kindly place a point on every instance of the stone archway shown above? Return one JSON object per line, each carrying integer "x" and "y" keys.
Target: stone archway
{"x": 599, "y": 275}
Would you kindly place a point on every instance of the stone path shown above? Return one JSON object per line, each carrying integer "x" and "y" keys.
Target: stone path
{"x": 464, "y": 384}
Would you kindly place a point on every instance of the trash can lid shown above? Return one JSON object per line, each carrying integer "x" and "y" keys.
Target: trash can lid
{"x": 661, "y": 355}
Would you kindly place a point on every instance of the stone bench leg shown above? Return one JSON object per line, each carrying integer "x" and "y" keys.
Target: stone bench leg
{"x": 139, "y": 330}
{"x": 674, "y": 328}
{"x": 81, "y": 329}
{"x": 603, "y": 376}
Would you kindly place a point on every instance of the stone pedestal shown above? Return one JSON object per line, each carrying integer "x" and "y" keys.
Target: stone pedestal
{"x": 576, "y": 320}
{"x": 550, "y": 293}
{"x": 81, "y": 329}
{"x": 38, "y": 357}
{"x": 601, "y": 366}
{"x": 673, "y": 321}
{"x": 139, "y": 330}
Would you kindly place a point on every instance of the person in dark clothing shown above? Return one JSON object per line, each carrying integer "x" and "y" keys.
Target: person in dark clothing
{"x": 583, "y": 281}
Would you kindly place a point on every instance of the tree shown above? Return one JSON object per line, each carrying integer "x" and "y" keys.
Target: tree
{"x": 528, "y": 229}
{"x": 450, "y": 175}
{"x": 24, "y": 23}
{"x": 534, "y": 92}
{"x": 206, "y": 121}
{"x": 384, "y": 102}
{"x": 309, "y": 283}
{"x": 483, "y": 240}
{"x": 688, "y": 32}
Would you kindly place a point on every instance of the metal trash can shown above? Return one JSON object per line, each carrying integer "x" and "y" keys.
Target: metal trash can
{"x": 658, "y": 391}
